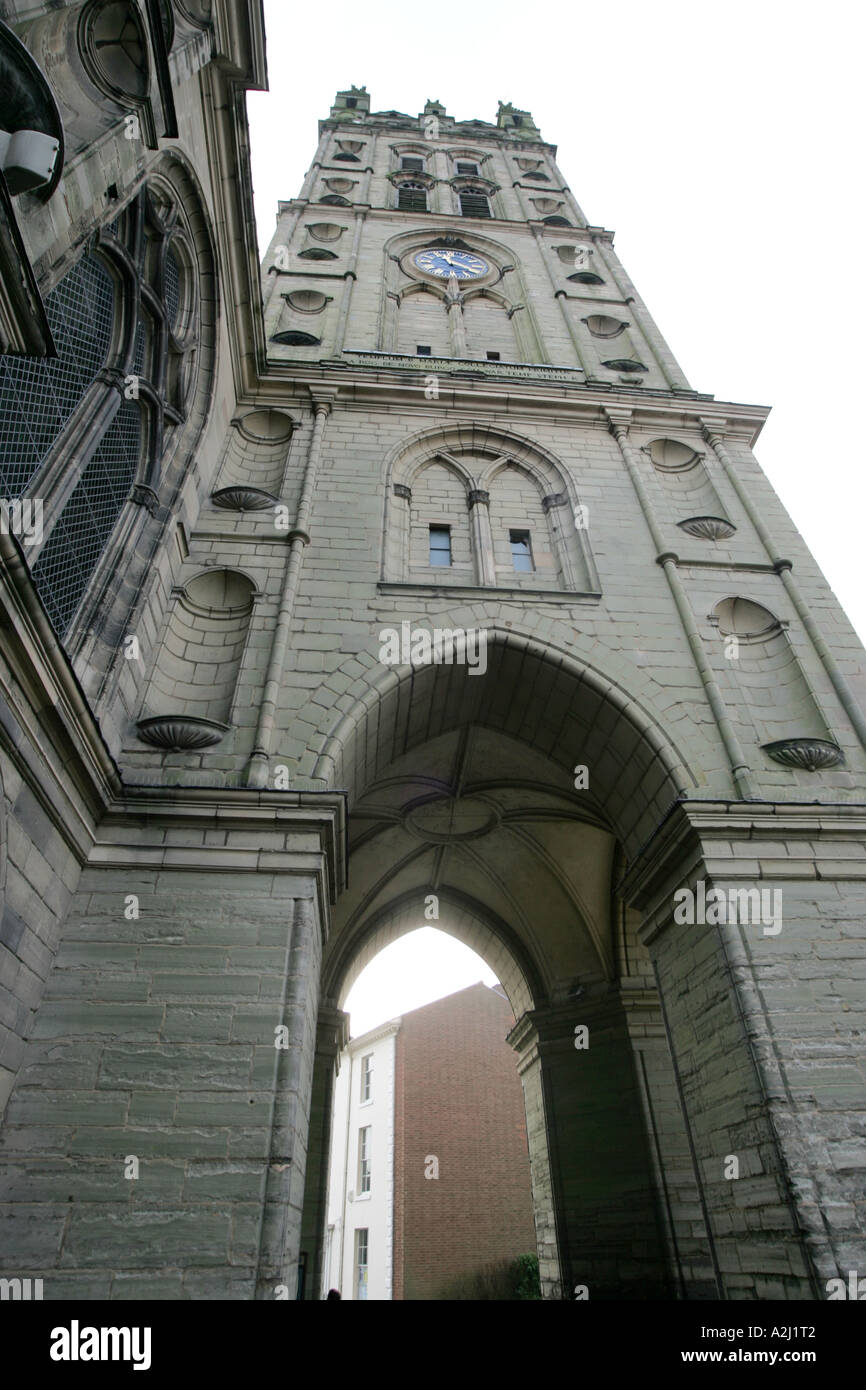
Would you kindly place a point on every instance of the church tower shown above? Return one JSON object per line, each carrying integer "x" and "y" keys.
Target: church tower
{"x": 446, "y": 600}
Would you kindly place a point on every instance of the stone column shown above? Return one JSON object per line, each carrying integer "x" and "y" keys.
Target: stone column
{"x": 482, "y": 538}
{"x": 398, "y": 525}
{"x": 349, "y": 283}
{"x": 559, "y": 517}
{"x": 456, "y": 326}
{"x": 760, "y": 992}
{"x": 332, "y": 1036}
{"x": 604, "y": 1199}
{"x": 155, "y": 1142}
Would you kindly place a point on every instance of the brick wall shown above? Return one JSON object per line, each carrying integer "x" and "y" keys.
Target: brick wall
{"x": 458, "y": 1097}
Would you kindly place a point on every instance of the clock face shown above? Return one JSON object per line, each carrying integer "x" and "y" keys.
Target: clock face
{"x": 463, "y": 264}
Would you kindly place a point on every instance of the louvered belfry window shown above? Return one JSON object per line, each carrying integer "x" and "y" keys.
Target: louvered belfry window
{"x": 474, "y": 203}
{"x": 78, "y": 431}
{"x": 412, "y": 197}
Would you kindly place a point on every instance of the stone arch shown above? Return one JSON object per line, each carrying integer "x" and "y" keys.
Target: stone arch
{"x": 486, "y": 451}
{"x": 468, "y": 920}
{"x": 644, "y": 772}
{"x": 587, "y": 1130}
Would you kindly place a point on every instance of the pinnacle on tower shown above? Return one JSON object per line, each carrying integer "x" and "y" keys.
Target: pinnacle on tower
{"x": 517, "y": 122}
{"x": 353, "y": 102}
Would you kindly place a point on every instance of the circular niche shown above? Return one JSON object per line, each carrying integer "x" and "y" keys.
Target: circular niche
{"x": 223, "y": 590}
{"x": 603, "y": 326}
{"x": 325, "y": 231}
{"x": 265, "y": 427}
{"x": 114, "y": 49}
{"x": 306, "y": 301}
{"x": 744, "y": 618}
{"x": 671, "y": 456}
{"x": 445, "y": 820}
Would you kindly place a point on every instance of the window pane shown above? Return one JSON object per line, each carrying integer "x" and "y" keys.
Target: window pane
{"x": 521, "y": 550}
{"x": 440, "y": 545}
{"x": 361, "y": 1262}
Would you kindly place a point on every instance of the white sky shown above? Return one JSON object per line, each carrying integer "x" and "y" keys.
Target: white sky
{"x": 422, "y": 966}
{"x": 723, "y": 143}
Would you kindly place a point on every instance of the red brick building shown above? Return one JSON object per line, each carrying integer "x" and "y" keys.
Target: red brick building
{"x": 458, "y": 1112}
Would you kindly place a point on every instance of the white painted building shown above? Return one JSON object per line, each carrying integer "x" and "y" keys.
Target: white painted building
{"x": 359, "y": 1241}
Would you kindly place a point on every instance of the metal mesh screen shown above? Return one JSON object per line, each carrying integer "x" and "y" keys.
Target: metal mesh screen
{"x": 171, "y": 287}
{"x": 37, "y": 396}
{"x": 72, "y": 551}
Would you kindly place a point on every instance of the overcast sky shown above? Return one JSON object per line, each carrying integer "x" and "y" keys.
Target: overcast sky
{"x": 723, "y": 143}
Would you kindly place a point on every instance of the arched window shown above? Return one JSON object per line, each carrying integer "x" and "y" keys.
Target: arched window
{"x": 462, "y": 512}
{"x": 412, "y": 197}
{"x": 474, "y": 202}
{"x": 84, "y": 429}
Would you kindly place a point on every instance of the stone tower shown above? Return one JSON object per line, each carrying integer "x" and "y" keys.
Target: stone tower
{"x": 445, "y": 599}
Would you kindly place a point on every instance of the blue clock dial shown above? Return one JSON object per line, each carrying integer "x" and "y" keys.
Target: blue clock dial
{"x": 462, "y": 264}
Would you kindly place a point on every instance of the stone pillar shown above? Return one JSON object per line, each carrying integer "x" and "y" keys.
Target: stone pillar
{"x": 482, "y": 538}
{"x": 398, "y": 524}
{"x": 524, "y": 1039}
{"x": 332, "y": 1036}
{"x": 761, "y": 1004}
{"x": 456, "y": 326}
{"x": 608, "y": 1228}
{"x": 155, "y": 1142}
{"x": 559, "y": 517}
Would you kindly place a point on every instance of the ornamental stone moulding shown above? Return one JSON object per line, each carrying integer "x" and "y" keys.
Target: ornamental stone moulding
{"x": 707, "y": 528}
{"x": 805, "y": 754}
